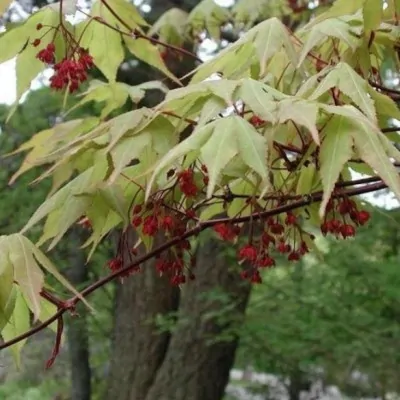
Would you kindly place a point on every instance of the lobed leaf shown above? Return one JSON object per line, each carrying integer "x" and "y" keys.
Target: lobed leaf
{"x": 336, "y": 150}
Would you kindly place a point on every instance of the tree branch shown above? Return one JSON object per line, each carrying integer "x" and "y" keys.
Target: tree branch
{"x": 70, "y": 304}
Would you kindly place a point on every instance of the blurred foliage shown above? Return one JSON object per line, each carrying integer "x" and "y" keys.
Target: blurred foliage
{"x": 341, "y": 313}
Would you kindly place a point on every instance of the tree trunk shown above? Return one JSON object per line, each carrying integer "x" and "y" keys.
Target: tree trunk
{"x": 77, "y": 330}
{"x": 138, "y": 350}
{"x": 148, "y": 365}
{"x": 194, "y": 367}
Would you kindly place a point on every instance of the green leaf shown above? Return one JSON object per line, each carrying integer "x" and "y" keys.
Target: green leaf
{"x": 129, "y": 13}
{"x": 372, "y": 13}
{"x": 239, "y": 206}
{"x": 47, "y": 310}
{"x": 210, "y": 110}
{"x": 27, "y": 272}
{"x": 7, "y": 290}
{"x": 333, "y": 27}
{"x": 192, "y": 144}
{"x": 211, "y": 211}
{"x": 335, "y": 151}
{"x": 114, "y": 95}
{"x": 218, "y": 151}
{"x": 16, "y": 40}
{"x": 384, "y": 105}
{"x": 50, "y": 268}
{"x": 301, "y": 113}
{"x": 126, "y": 150}
{"x": 233, "y": 61}
{"x": 17, "y": 325}
{"x": 217, "y": 143}
{"x": 126, "y": 123}
{"x": 102, "y": 220}
{"x": 260, "y": 98}
{"x": 252, "y": 147}
{"x": 268, "y": 38}
{"x": 338, "y": 9}
{"x": 103, "y": 43}
{"x": 65, "y": 207}
{"x": 208, "y": 15}
{"x": 115, "y": 199}
{"x": 351, "y": 84}
{"x": 148, "y": 53}
{"x": 306, "y": 179}
{"x": 370, "y": 145}
{"x": 171, "y": 26}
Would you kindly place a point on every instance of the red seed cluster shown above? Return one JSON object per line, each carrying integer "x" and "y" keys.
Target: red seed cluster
{"x": 186, "y": 183}
{"x": 47, "y": 55}
{"x": 278, "y": 236}
{"x": 154, "y": 219}
{"x": 256, "y": 121}
{"x": 342, "y": 218}
{"x": 227, "y": 232}
{"x": 69, "y": 72}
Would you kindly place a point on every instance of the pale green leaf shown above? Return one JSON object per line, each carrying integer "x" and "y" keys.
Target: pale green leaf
{"x": 50, "y": 267}
{"x": 218, "y": 151}
{"x": 27, "y": 272}
{"x": 372, "y": 13}
{"x": 306, "y": 179}
{"x": 126, "y": 150}
{"x": 335, "y": 151}
{"x": 149, "y": 53}
{"x": 17, "y": 325}
{"x": 114, "y": 95}
{"x": 333, "y": 27}
{"x": 47, "y": 310}
{"x": 103, "y": 44}
{"x": 268, "y": 37}
{"x": 351, "y": 84}
{"x": 252, "y": 147}
{"x": 338, "y": 9}
{"x": 211, "y": 211}
{"x": 384, "y": 105}
{"x": 171, "y": 26}
{"x": 210, "y": 110}
{"x": 208, "y": 15}
{"x": 67, "y": 203}
{"x": 233, "y": 61}
{"x": 124, "y": 123}
{"x": 193, "y": 143}
{"x": 301, "y": 113}
{"x": 260, "y": 98}
{"x": 370, "y": 146}
{"x": 7, "y": 290}
{"x": 129, "y": 13}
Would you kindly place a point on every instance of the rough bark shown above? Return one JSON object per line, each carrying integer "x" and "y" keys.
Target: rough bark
{"x": 138, "y": 350}
{"x": 194, "y": 367}
{"x": 77, "y": 329}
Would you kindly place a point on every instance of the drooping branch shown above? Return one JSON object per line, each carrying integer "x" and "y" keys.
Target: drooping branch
{"x": 70, "y": 304}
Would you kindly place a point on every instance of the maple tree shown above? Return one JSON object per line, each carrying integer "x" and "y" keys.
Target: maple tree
{"x": 266, "y": 151}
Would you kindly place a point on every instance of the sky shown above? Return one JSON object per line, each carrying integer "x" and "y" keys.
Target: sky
{"x": 8, "y": 95}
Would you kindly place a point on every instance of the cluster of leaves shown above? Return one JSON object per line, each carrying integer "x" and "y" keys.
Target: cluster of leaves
{"x": 282, "y": 130}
